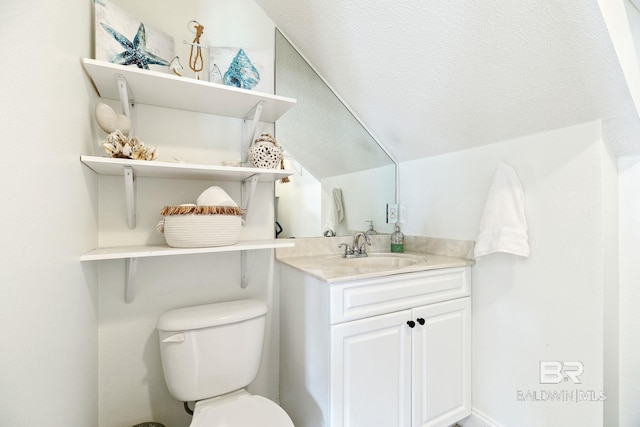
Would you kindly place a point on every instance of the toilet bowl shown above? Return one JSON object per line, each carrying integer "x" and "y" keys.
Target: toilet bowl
{"x": 239, "y": 409}
{"x": 210, "y": 353}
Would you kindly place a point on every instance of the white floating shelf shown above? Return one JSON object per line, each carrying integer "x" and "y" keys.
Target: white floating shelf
{"x": 131, "y": 254}
{"x": 131, "y": 169}
{"x": 171, "y": 91}
{"x": 158, "y": 169}
{"x": 124, "y": 252}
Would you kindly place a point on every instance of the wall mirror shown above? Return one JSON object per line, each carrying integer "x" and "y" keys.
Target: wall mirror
{"x": 337, "y": 161}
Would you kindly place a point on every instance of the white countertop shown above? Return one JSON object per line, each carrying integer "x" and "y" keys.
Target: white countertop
{"x": 333, "y": 268}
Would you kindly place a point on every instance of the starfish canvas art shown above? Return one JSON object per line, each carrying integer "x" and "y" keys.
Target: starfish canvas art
{"x": 135, "y": 52}
{"x": 122, "y": 38}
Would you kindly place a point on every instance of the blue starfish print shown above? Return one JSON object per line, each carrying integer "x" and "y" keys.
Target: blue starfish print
{"x": 135, "y": 51}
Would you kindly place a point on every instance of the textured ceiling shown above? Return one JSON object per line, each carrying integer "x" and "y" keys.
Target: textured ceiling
{"x": 430, "y": 77}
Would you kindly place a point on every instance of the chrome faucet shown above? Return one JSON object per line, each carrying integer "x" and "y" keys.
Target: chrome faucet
{"x": 360, "y": 248}
{"x": 357, "y": 249}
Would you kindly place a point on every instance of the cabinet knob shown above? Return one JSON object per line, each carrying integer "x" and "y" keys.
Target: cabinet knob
{"x": 411, "y": 323}
{"x": 421, "y": 321}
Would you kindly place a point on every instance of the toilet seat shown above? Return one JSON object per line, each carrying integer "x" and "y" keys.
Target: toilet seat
{"x": 239, "y": 409}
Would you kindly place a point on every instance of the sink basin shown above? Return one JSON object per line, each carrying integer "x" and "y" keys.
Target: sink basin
{"x": 382, "y": 261}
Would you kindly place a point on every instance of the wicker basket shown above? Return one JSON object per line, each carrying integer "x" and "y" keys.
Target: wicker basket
{"x": 201, "y": 226}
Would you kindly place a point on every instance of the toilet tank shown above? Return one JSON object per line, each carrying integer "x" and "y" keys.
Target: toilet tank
{"x": 212, "y": 349}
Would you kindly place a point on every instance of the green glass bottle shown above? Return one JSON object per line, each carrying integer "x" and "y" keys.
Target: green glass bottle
{"x": 397, "y": 240}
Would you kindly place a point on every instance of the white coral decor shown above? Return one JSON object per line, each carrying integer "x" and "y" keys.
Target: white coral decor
{"x": 121, "y": 146}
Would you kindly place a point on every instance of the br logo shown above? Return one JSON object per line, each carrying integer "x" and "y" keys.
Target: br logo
{"x": 554, "y": 372}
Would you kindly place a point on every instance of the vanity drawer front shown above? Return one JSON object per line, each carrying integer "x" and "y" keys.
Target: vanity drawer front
{"x": 366, "y": 298}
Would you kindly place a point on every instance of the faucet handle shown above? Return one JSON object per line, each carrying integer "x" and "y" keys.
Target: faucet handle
{"x": 348, "y": 250}
{"x": 367, "y": 241}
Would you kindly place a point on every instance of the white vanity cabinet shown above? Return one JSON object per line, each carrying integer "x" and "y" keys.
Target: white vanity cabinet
{"x": 385, "y": 352}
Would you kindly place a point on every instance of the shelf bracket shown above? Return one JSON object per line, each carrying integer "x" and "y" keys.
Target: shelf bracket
{"x": 252, "y": 132}
{"x": 126, "y": 101}
{"x": 247, "y": 193}
{"x": 130, "y": 195}
{"x": 246, "y": 263}
{"x": 129, "y": 280}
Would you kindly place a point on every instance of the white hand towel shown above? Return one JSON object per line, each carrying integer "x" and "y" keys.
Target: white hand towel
{"x": 335, "y": 212}
{"x": 503, "y": 227}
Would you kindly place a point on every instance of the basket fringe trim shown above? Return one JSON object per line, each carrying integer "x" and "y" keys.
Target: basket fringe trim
{"x": 202, "y": 210}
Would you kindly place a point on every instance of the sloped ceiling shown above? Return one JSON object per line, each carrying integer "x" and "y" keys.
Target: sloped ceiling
{"x": 430, "y": 77}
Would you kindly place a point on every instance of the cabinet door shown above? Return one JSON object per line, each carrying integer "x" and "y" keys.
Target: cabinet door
{"x": 371, "y": 372}
{"x": 442, "y": 363}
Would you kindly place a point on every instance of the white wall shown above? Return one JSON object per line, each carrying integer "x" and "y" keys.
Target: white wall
{"x": 629, "y": 269}
{"x": 48, "y": 307}
{"x": 629, "y": 291}
{"x": 549, "y": 306}
{"x": 621, "y": 19}
{"x": 132, "y": 388}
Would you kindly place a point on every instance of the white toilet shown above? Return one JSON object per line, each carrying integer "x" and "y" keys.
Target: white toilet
{"x": 209, "y": 354}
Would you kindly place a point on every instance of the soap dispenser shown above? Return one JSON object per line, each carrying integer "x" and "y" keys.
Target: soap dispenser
{"x": 397, "y": 240}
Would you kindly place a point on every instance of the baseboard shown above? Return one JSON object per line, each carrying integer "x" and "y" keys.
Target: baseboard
{"x": 478, "y": 419}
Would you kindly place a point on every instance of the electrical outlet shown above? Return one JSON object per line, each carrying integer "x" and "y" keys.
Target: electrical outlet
{"x": 392, "y": 213}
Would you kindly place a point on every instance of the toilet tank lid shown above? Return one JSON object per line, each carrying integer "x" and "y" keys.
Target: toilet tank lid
{"x": 208, "y": 315}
